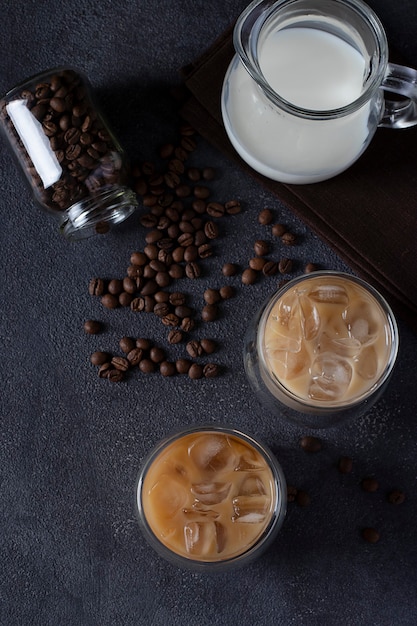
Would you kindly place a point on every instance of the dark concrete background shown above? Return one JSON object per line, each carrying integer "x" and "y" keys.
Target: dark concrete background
{"x": 71, "y": 444}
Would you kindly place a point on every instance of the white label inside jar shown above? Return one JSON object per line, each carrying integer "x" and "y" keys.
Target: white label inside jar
{"x": 36, "y": 142}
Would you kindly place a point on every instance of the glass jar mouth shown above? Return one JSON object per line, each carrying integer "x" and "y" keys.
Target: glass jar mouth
{"x": 242, "y": 557}
{"x": 261, "y": 15}
{"x": 311, "y": 405}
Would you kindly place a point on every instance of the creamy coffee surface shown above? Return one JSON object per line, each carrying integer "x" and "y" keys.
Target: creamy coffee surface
{"x": 208, "y": 496}
{"x": 326, "y": 340}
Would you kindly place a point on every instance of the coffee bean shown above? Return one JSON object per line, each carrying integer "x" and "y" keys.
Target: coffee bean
{"x": 192, "y": 270}
{"x": 182, "y": 311}
{"x": 227, "y": 292}
{"x": 201, "y": 192}
{"x": 211, "y": 296}
{"x": 147, "y": 366}
{"x": 396, "y": 496}
{"x": 209, "y": 313}
{"x": 188, "y": 324}
{"x": 194, "y": 174}
{"x": 104, "y": 370}
{"x": 233, "y": 207}
{"x": 289, "y": 239}
{"x": 270, "y": 268}
{"x": 215, "y": 209}
{"x": 194, "y": 348}
{"x": 249, "y": 276}
{"x": 170, "y": 320}
{"x": 208, "y": 345}
{"x": 205, "y": 251}
{"x": 99, "y": 357}
{"x": 211, "y": 230}
{"x": 143, "y": 343}
{"x": 120, "y": 363}
{"x": 161, "y": 309}
{"x": 110, "y": 301}
{"x": 369, "y": 484}
{"x": 371, "y": 535}
{"x": 257, "y": 263}
{"x": 175, "y": 336}
{"x": 261, "y": 247}
{"x": 345, "y": 465}
{"x": 92, "y": 327}
{"x": 195, "y": 371}
{"x": 96, "y": 287}
{"x": 209, "y": 173}
{"x": 211, "y": 370}
{"x": 302, "y": 498}
{"x": 265, "y": 217}
{"x": 156, "y": 354}
{"x": 310, "y": 443}
{"x": 129, "y": 285}
{"x": 125, "y": 299}
{"x": 285, "y": 266}
{"x": 135, "y": 356}
{"x": 137, "y": 305}
{"x": 278, "y": 230}
{"x": 310, "y": 267}
{"x": 291, "y": 493}
{"x": 167, "y": 368}
{"x": 126, "y": 344}
{"x": 183, "y": 366}
{"x": 229, "y": 269}
{"x": 115, "y": 286}
{"x": 114, "y": 375}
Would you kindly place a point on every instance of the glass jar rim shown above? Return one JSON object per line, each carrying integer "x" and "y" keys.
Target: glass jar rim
{"x": 341, "y": 405}
{"x": 244, "y": 44}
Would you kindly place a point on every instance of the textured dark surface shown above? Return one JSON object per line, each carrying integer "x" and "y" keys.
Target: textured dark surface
{"x": 71, "y": 444}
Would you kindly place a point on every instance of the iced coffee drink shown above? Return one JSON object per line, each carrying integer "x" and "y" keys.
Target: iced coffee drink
{"x": 210, "y": 496}
{"x": 326, "y": 342}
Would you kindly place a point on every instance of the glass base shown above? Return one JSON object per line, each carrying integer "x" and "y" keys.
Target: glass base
{"x": 95, "y": 215}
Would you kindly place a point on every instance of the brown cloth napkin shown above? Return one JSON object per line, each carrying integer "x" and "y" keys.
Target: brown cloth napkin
{"x": 367, "y": 214}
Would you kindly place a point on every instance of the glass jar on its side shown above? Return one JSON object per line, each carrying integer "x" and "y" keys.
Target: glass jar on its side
{"x": 74, "y": 164}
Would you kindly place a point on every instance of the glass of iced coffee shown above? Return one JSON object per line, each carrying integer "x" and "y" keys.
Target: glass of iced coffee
{"x": 210, "y": 498}
{"x": 321, "y": 349}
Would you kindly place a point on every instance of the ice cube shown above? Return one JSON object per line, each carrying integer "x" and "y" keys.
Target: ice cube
{"x": 252, "y": 486}
{"x": 288, "y": 365}
{"x": 367, "y": 363}
{"x": 210, "y": 492}
{"x": 199, "y": 511}
{"x": 284, "y": 342}
{"x": 348, "y": 347}
{"x": 360, "y": 320}
{"x": 250, "y": 509}
{"x": 249, "y": 462}
{"x": 285, "y": 309}
{"x": 170, "y": 495}
{"x": 330, "y": 294}
{"x": 212, "y": 453}
{"x": 330, "y": 377}
{"x": 310, "y": 318}
{"x": 204, "y": 538}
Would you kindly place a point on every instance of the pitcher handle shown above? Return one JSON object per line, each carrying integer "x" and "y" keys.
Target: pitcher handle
{"x": 402, "y": 81}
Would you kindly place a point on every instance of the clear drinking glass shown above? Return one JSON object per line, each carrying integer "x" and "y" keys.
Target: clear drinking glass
{"x": 304, "y": 94}
{"x": 210, "y": 498}
{"x": 321, "y": 349}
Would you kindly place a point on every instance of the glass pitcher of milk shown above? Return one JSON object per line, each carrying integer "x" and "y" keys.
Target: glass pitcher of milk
{"x": 305, "y": 92}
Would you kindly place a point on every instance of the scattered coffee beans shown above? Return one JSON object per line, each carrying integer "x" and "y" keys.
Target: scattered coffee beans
{"x": 310, "y": 443}
{"x": 369, "y": 484}
{"x": 92, "y": 327}
{"x": 396, "y": 496}
{"x": 371, "y": 535}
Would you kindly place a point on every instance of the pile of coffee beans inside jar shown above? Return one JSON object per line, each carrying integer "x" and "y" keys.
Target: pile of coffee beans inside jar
{"x": 78, "y": 150}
